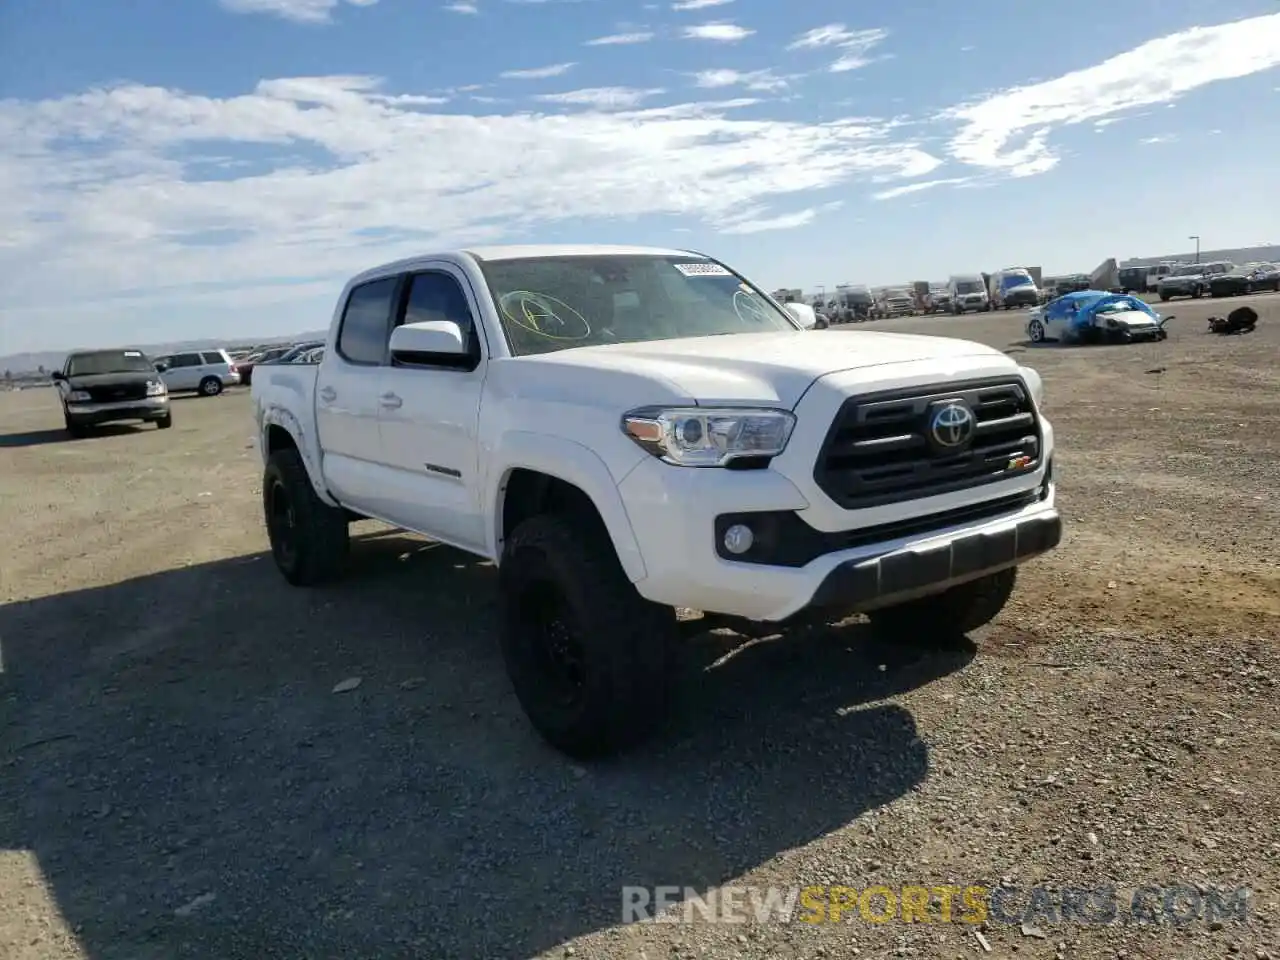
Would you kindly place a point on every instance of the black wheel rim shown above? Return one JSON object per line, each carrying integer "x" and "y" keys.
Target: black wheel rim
{"x": 282, "y": 524}
{"x": 554, "y": 647}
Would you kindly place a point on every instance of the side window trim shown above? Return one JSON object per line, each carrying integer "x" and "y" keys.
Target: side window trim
{"x": 397, "y": 295}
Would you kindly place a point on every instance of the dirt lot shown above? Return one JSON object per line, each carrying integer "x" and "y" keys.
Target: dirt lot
{"x": 177, "y": 778}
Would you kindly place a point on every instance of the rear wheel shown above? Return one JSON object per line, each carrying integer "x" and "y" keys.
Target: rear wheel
{"x": 210, "y": 387}
{"x": 586, "y": 654}
{"x": 309, "y": 539}
{"x": 943, "y": 618}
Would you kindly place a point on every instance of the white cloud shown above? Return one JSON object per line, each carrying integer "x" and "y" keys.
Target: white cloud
{"x": 462, "y": 6}
{"x": 919, "y": 187}
{"x": 855, "y": 45}
{"x": 538, "y": 73}
{"x": 1160, "y": 138}
{"x": 764, "y": 80}
{"x": 786, "y": 221}
{"x": 162, "y": 195}
{"x": 698, "y": 4}
{"x": 615, "y": 39}
{"x": 723, "y": 32}
{"x": 602, "y": 98}
{"x": 300, "y": 11}
{"x": 1009, "y": 130}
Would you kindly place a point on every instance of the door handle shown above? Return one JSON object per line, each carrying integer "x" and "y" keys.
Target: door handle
{"x": 390, "y": 400}
{"x": 328, "y": 394}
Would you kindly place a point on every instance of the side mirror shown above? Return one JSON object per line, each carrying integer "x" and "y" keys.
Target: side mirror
{"x": 161, "y": 367}
{"x": 56, "y": 375}
{"x": 803, "y": 314}
{"x": 429, "y": 336}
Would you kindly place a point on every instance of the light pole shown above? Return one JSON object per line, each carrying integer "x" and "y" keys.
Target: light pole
{"x": 1197, "y": 240}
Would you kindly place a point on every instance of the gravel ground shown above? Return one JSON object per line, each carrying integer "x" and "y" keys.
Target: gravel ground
{"x": 179, "y": 779}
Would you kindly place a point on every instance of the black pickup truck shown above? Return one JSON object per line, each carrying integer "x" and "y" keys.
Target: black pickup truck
{"x": 110, "y": 386}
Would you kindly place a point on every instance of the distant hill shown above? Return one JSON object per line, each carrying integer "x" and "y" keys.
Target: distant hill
{"x": 25, "y": 363}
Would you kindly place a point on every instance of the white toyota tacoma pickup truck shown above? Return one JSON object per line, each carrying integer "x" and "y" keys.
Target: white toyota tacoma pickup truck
{"x": 625, "y": 431}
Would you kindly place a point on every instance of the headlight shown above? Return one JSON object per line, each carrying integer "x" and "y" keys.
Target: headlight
{"x": 78, "y": 396}
{"x": 1034, "y": 384}
{"x": 705, "y": 437}
{"x": 155, "y": 388}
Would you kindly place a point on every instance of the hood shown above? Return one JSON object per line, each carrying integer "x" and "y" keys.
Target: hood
{"x": 85, "y": 381}
{"x": 772, "y": 368}
{"x": 1187, "y": 278}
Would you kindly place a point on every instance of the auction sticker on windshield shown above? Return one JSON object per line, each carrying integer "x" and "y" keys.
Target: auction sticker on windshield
{"x": 703, "y": 269}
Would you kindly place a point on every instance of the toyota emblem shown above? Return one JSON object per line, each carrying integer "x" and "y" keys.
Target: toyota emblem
{"x": 952, "y": 424}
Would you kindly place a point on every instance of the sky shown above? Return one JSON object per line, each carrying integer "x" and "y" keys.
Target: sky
{"x": 177, "y": 169}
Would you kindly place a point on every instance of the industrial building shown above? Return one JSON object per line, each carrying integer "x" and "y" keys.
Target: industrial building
{"x": 1268, "y": 254}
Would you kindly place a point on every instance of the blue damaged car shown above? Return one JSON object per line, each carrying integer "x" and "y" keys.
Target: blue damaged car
{"x": 1095, "y": 316}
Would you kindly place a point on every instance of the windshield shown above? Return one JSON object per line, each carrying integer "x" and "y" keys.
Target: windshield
{"x": 1011, "y": 280}
{"x": 553, "y": 303}
{"x": 1188, "y": 272}
{"x": 968, "y": 286}
{"x": 108, "y": 361}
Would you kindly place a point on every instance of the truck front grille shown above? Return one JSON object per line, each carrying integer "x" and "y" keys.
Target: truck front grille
{"x": 882, "y": 447}
{"x": 118, "y": 394}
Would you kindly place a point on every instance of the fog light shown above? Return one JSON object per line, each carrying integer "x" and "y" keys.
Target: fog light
{"x": 738, "y": 538}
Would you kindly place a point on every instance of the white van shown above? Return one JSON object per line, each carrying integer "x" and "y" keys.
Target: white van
{"x": 1013, "y": 287}
{"x": 967, "y": 293}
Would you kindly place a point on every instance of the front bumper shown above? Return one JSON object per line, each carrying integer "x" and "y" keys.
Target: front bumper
{"x": 152, "y": 408}
{"x": 1022, "y": 298}
{"x": 673, "y": 512}
{"x": 930, "y": 567}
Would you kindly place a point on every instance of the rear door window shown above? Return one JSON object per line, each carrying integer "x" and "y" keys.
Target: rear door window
{"x": 366, "y": 322}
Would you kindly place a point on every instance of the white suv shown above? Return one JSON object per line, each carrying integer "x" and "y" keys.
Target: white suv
{"x": 204, "y": 371}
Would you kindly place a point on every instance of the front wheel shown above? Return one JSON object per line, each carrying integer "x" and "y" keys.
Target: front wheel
{"x": 77, "y": 431}
{"x": 165, "y": 422}
{"x": 1035, "y": 330}
{"x": 945, "y": 617}
{"x": 586, "y": 654}
{"x": 309, "y": 538}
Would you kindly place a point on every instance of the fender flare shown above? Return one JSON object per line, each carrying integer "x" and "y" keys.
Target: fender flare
{"x": 275, "y": 415}
{"x": 573, "y": 463}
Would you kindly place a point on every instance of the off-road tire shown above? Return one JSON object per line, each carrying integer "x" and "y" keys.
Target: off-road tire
{"x": 210, "y": 387}
{"x": 944, "y": 618}
{"x": 77, "y": 431}
{"x": 165, "y": 422}
{"x": 623, "y": 642}
{"x": 320, "y": 535}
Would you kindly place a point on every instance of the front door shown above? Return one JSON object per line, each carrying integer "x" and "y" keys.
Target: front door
{"x": 347, "y": 387}
{"x": 429, "y": 416}
{"x": 183, "y": 372}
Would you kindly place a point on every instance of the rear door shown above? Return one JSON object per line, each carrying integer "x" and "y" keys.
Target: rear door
{"x": 429, "y": 412}
{"x": 347, "y": 387}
